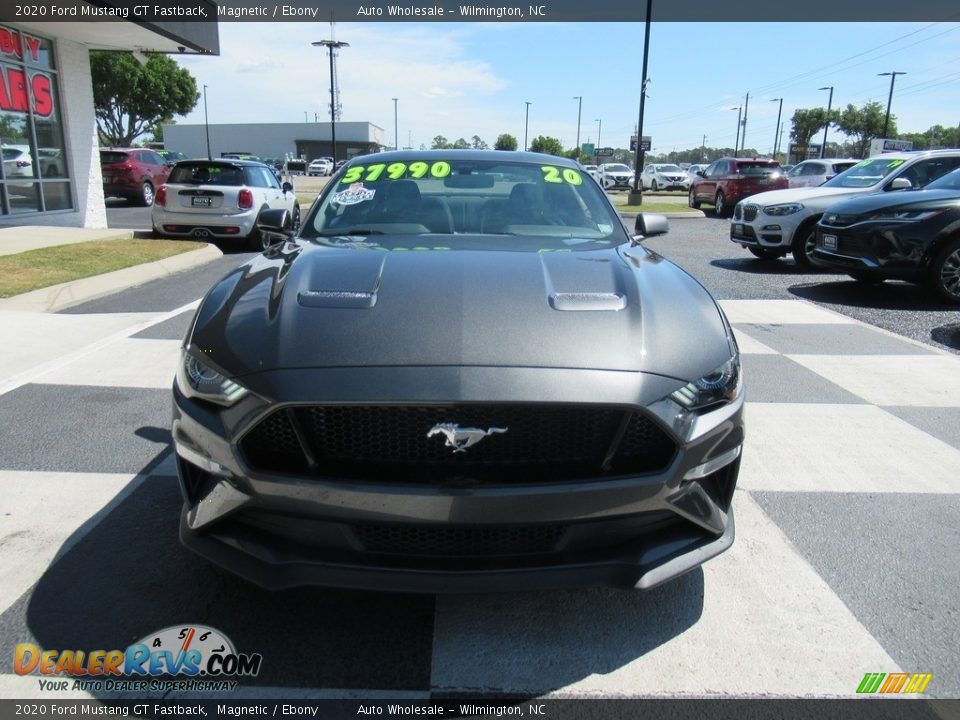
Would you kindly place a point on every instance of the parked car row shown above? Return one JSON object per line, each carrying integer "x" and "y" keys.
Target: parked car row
{"x": 894, "y": 216}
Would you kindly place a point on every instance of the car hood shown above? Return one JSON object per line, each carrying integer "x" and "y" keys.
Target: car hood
{"x": 907, "y": 198}
{"x": 302, "y": 305}
{"x": 809, "y": 196}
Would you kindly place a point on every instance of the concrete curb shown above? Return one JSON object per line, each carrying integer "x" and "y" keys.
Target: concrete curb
{"x": 64, "y": 295}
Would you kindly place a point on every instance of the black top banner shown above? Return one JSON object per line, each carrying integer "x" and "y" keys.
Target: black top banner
{"x": 150, "y": 11}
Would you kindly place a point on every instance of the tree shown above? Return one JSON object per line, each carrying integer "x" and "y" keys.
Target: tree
{"x": 130, "y": 98}
{"x": 863, "y": 124}
{"x": 461, "y": 144}
{"x": 440, "y": 143}
{"x": 548, "y": 145}
{"x": 505, "y": 142}
{"x": 479, "y": 144}
{"x": 807, "y": 123}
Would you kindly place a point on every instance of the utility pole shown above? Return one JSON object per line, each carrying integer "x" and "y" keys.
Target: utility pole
{"x": 526, "y": 126}
{"x": 579, "y": 100}
{"x": 331, "y": 45}
{"x": 823, "y": 145}
{"x": 776, "y": 131}
{"x": 396, "y": 136}
{"x": 893, "y": 77}
{"x": 206, "y": 122}
{"x": 736, "y": 143}
{"x": 636, "y": 196}
{"x": 743, "y": 139}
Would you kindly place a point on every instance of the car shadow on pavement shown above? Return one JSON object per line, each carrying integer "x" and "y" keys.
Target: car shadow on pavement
{"x": 755, "y": 266}
{"x": 890, "y": 295}
{"x": 125, "y": 576}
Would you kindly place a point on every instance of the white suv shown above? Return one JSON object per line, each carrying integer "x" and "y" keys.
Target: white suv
{"x": 612, "y": 176}
{"x": 772, "y": 224}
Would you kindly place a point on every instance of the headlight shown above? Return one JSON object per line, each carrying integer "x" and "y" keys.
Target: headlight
{"x": 905, "y": 215}
{"x": 717, "y": 388}
{"x": 197, "y": 379}
{"x": 785, "y": 209}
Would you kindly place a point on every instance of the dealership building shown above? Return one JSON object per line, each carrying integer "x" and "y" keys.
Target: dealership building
{"x": 51, "y": 165}
{"x": 307, "y": 140}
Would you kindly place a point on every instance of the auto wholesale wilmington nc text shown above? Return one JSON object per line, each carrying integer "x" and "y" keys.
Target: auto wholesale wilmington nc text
{"x": 474, "y": 11}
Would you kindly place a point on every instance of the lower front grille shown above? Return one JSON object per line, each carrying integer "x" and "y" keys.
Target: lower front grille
{"x": 447, "y": 541}
{"x": 402, "y": 443}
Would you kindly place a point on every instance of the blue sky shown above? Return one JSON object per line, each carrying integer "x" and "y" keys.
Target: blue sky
{"x": 465, "y": 79}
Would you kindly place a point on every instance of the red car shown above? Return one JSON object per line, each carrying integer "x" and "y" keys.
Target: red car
{"x": 133, "y": 173}
{"x": 727, "y": 181}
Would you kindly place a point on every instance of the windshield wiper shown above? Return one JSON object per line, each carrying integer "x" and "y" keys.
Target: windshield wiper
{"x": 348, "y": 233}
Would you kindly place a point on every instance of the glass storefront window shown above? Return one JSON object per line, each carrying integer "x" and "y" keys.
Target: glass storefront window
{"x": 31, "y": 129}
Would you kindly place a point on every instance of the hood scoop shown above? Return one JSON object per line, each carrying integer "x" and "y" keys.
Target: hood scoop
{"x": 348, "y": 282}
{"x": 576, "y": 282}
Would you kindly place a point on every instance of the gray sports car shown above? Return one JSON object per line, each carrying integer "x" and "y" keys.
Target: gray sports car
{"x": 463, "y": 373}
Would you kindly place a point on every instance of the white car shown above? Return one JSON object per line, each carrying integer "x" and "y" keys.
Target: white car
{"x": 320, "y": 166}
{"x": 692, "y": 173}
{"x": 772, "y": 224}
{"x": 812, "y": 173}
{"x": 221, "y": 200}
{"x": 614, "y": 176}
{"x": 17, "y": 161}
{"x": 591, "y": 170}
{"x": 659, "y": 176}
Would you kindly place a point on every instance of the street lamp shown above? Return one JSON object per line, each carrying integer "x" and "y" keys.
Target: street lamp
{"x": 823, "y": 145}
{"x": 526, "y": 126}
{"x": 736, "y": 144}
{"x": 206, "y": 122}
{"x": 332, "y": 45}
{"x": 396, "y": 137}
{"x": 596, "y": 150}
{"x": 579, "y": 100}
{"x": 777, "y": 130}
{"x": 636, "y": 195}
{"x": 893, "y": 77}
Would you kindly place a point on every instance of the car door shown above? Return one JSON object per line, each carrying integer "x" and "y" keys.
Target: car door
{"x": 647, "y": 177}
{"x": 926, "y": 171}
{"x": 708, "y": 184}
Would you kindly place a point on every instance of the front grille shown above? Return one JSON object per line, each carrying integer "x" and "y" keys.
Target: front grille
{"x": 451, "y": 541}
{"x": 854, "y": 245}
{"x": 390, "y": 443}
{"x": 750, "y": 212}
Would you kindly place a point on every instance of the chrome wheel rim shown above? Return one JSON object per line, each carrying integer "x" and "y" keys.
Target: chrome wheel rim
{"x": 690, "y": 199}
{"x": 147, "y": 194}
{"x": 950, "y": 274}
{"x": 809, "y": 245}
{"x": 719, "y": 204}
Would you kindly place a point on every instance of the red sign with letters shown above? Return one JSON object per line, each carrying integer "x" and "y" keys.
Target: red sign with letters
{"x": 14, "y": 81}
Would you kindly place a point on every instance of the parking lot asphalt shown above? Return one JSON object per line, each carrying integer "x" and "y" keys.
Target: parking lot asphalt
{"x": 847, "y": 519}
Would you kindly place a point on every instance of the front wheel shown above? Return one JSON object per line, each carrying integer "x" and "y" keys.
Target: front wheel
{"x": 945, "y": 272}
{"x": 145, "y": 199}
{"x": 803, "y": 246}
{"x": 653, "y": 186}
{"x": 692, "y": 200}
{"x": 720, "y": 204}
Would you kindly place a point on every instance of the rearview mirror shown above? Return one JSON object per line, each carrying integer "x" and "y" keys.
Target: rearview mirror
{"x": 276, "y": 221}
{"x": 650, "y": 225}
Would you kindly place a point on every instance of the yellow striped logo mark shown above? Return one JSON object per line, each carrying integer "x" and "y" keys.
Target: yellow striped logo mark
{"x": 894, "y": 683}
{"x": 918, "y": 682}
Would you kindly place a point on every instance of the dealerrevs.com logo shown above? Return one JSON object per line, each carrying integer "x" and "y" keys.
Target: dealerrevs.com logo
{"x": 204, "y": 656}
{"x": 894, "y": 683}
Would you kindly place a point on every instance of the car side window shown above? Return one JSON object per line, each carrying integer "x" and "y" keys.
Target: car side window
{"x": 926, "y": 171}
{"x": 256, "y": 177}
{"x": 709, "y": 172}
{"x": 796, "y": 170}
{"x": 814, "y": 169}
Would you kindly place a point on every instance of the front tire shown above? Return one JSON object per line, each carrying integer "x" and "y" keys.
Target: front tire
{"x": 653, "y": 186}
{"x": 720, "y": 204}
{"x": 145, "y": 198}
{"x": 692, "y": 200}
{"x": 945, "y": 272}
{"x": 803, "y": 246}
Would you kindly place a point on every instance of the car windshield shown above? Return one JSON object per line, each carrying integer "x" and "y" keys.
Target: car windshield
{"x": 457, "y": 196}
{"x": 865, "y": 173}
{"x": 616, "y": 167}
{"x": 200, "y": 173}
{"x": 669, "y": 168}
{"x": 756, "y": 169}
{"x": 839, "y": 167}
{"x": 950, "y": 181}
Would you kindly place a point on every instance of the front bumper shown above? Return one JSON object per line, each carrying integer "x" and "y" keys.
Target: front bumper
{"x": 750, "y": 226}
{"x": 878, "y": 251}
{"x": 287, "y": 530}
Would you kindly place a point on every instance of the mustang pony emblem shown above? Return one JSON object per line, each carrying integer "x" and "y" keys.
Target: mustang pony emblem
{"x": 461, "y": 438}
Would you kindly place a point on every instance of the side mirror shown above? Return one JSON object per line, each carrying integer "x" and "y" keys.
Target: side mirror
{"x": 277, "y": 222}
{"x": 650, "y": 225}
{"x": 287, "y": 187}
{"x": 900, "y": 183}
{"x": 700, "y": 173}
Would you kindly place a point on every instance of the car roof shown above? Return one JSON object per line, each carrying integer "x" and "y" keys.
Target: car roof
{"x": 829, "y": 160}
{"x": 222, "y": 161}
{"x": 483, "y": 155}
{"x": 911, "y": 154}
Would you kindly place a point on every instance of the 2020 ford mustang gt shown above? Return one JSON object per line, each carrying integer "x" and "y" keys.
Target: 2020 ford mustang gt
{"x": 462, "y": 373}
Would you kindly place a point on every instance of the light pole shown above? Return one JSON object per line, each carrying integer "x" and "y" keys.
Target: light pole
{"x": 823, "y": 145}
{"x": 636, "y": 196}
{"x": 579, "y": 100}
{"x": 776, "y": 131}
{"x": 743, "y": 139}
{"x": 596, "y": 150}
{"x": 893, "y": 77}
{"x": 206, "y": 122}
{"x": 526, "y": 126}
{"x": 736, "y": 144}
{"x": 332, "y": 45}
{"x": 396, "y": 137}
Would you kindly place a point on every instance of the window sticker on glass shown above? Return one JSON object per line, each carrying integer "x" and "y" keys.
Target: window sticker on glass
{"x": 356, "y": 193}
